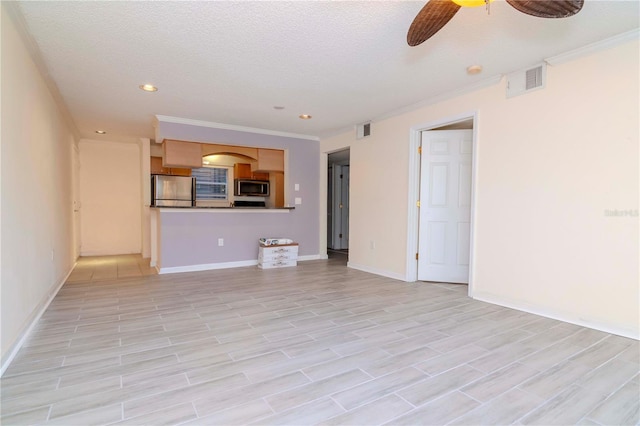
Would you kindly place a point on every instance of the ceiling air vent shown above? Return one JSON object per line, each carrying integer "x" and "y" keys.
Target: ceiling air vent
{"x": 525, "y": 81}
{"x": 363, "y": 130}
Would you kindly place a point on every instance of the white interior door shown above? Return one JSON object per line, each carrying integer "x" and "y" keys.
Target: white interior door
{"x": 445, "y": 206}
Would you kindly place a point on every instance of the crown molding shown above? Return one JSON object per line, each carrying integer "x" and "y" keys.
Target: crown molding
{"x": 554, "y": 60}
{"x": 126, "y": 140}
{"x": 200, "y": 123}
{"x": 429, "y": 101}
{"x": 594, "y": 47}
{"x": 487, "y": 82}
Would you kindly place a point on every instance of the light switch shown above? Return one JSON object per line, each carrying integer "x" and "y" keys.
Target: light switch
{"x": 298, "y": 200}
{"x": 297, "y": 187}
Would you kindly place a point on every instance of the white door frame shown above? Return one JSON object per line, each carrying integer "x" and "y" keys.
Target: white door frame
{"x": 336, "y": 199}
{"x": 75, "y": 185}
{"x": 413, "y": 218}
{"x": 345, "y": 170}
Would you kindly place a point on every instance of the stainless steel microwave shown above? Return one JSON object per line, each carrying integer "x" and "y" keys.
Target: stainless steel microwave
{"x": 254, "y": 188}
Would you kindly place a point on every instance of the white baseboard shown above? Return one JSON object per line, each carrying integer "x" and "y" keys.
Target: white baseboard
{"x": 382, "y": 272}
{"x": 37, "y": 314}
{"x": 226, "y": 265}
{"x": 85, "y": 253}
{"x": 560, "y": 316}
{"x": 207, "y": 266}
{"x": 312, "y": 257}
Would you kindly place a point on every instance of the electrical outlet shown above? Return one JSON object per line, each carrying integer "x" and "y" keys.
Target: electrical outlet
{"x": 220, "y": 242}
{"x": 298, "y": 201}
{"x": 372, "y": 244}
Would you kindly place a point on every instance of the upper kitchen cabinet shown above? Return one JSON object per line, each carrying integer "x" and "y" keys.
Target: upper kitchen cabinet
{"x": 158, "y": 169}
{"x": 269, "y": 160}
{"x": 243, "y": 171}
{"x": 210, "y": 149}
{"x": 181, "y": 154}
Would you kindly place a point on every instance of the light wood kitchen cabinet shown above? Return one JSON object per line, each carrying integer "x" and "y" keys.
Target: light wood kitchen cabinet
{"x": 158, "y": 169}
{"x": 269, "y": 160}
{"x": 181, "y": 154}
{"x": 277, "y": 189}
{"x": 209, "y": 149}
{"x": 243, "y": 171}
{"x": 177, "y": 171}
{"x": 260, "y": 176}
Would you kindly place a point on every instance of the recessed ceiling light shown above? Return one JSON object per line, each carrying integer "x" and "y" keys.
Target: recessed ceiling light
{"x": 305, "y": 116}
{"x": 278, "y": 107}
{"x": 148, "y": 87}
{"x": 474, "y": 69}
{"x": 101, "y": 132}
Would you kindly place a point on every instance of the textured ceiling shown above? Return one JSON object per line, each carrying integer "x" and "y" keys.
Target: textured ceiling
{"x": 232, "y": 62}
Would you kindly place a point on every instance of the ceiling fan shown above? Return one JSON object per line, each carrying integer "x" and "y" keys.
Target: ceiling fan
{"x": 436, "y": 13}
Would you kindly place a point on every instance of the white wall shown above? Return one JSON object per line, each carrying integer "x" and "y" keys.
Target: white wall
{"x": 111, "y": 197}
{"x": 550, "y": 163}
{"x": 36, "y": 192}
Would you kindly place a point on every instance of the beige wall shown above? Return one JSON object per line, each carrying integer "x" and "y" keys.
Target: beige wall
{"x": 549, "y": 164}
{"x": 36, "y": 192}
{"x": 111, "y": 198}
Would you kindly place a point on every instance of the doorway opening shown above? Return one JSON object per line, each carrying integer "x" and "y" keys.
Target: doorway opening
{"x": 442, "y": 184}
{"x": 338, "y": 203}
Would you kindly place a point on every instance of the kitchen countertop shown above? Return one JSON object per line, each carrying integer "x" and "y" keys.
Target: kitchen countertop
{"x": 234, "y": 209}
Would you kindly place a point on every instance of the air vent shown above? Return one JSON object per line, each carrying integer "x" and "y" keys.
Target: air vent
{"x": 525, "y": 81}
{"x": 363, "y": 130}
{"x": 534, "y": 78}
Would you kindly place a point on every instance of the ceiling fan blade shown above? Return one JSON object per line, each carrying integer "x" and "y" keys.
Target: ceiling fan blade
{"x": 433, "y": 16}
{"x": 548, "y": 8}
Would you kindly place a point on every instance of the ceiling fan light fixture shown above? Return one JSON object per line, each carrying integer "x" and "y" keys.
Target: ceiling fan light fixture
{"x": 471, "y": 3}
{"x": 436, "y": 13}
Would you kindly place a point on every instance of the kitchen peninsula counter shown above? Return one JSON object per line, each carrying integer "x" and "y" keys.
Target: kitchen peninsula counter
{"x": 200, "y": 238}
{"x": 224, "y": 209}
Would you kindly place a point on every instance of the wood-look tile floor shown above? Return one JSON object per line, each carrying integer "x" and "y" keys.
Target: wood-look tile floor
{"x": 315, "y": 344}
{"x": 98, "y": 268}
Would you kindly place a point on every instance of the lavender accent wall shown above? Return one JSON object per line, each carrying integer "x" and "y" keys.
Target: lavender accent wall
{"x": 191, "y": 238}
